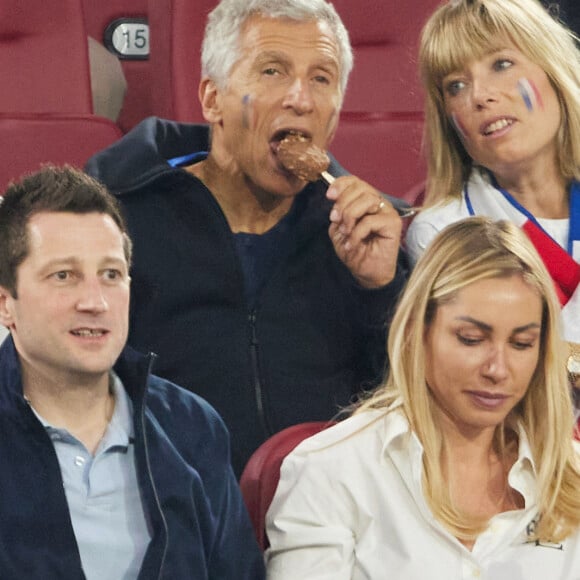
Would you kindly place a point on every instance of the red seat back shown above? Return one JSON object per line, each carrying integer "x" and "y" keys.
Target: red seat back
{"x": 44, "y": 63}
{"x": 380, "y": 132}
{"x": 384, "y": 150}
{"x": 262, "y": 472}
{"x": 177, "y": 28}
{"x": 28, "y": 141}
{"x": 45, "y": 99}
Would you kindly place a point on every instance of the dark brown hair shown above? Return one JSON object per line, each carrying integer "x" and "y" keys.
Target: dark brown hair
{"x": 52, "y": 189}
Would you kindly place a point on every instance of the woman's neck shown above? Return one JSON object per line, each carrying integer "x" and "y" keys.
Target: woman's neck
{"x": 543, "y": 194}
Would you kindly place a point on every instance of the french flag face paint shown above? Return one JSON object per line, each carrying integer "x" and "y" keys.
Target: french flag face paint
{"x": 248, "y": 111}
{"x": 530, "y": 94}
{"x": 458, "y": 126}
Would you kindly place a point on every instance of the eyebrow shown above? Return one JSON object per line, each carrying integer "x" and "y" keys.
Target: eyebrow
{"x": 267, "y": 56}
{"x": 73, "y": 261}
{"x": 489, "y": 328}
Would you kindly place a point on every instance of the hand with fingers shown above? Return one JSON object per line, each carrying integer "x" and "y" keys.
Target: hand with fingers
{"x": 365, "y": 230}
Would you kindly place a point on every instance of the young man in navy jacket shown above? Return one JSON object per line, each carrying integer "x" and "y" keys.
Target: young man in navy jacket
{"x": 108, "y": 472}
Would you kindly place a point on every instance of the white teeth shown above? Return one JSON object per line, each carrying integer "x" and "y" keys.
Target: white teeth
{"x": 298, "y": 135}
{"x": 497, "y": 125}
{"x": 87, "y": 332}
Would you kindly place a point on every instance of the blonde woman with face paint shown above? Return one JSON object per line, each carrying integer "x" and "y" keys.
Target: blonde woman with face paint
{"x": 461, "y": 465}
{"x": 502, "y": 83}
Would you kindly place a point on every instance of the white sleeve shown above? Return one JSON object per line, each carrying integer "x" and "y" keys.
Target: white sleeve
{"x": 419, "y": 235}
{"x": 309, "y": 523}
{"x": 429, "y": 222}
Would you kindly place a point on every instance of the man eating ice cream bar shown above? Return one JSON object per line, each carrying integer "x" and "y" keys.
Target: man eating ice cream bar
{"x": 264, "y": 293}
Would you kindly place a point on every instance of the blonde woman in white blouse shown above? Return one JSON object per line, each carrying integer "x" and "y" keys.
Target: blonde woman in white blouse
{"x": 461, "y": 465}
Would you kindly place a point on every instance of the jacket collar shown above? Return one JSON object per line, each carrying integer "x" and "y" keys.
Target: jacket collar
{"x": 132, "y": 368}
{"x": 144, "y": 152}
{"x": 146, "y": 149}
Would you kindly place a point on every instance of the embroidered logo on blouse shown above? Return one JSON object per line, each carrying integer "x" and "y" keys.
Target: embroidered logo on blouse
{"x": 531, "y": 528}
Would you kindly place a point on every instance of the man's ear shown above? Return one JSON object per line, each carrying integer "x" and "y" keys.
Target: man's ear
{"x": 209, "y": 99}
{"x": 6, "y": 318}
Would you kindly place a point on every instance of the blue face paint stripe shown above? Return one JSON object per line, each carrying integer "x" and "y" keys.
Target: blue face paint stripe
{"x": 524, "y": 90}
{"x": 246, "y": 113}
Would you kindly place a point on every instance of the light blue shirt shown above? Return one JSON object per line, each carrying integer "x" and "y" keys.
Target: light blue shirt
{"x": 103, "y": 495}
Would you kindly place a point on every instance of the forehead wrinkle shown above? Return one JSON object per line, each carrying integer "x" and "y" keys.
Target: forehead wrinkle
{"x": 282, "y": 55}
{"x": 323, "y": 39}
{"x": 266, "y": 56}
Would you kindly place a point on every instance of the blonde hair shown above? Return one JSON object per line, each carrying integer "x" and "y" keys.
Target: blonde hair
{"x": 464, "y": 30}
{"x": 465, "y": 252}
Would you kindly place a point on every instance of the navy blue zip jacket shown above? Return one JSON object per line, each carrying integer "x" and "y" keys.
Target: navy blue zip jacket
{"x": 311, "y": 341}
{"x": 200, "y": 527}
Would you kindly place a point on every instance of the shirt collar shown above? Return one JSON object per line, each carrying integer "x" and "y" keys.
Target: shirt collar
{"x": 119, "y": 432}
{"x": 398, "y": 429}
{"x": 120, "y": 429}
{"x": 524, "y": 449}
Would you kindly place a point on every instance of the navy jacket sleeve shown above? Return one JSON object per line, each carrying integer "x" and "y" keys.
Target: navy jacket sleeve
{"x": 374, "y": 311}
{"x": 207, "y": 531}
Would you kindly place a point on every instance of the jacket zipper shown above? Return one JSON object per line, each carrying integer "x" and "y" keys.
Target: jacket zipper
{"x": 151, "y": 479}
{"x": 258, "y": 387}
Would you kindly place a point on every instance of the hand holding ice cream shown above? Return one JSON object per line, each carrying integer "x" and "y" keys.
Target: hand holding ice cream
{"x": 365, "y": 228}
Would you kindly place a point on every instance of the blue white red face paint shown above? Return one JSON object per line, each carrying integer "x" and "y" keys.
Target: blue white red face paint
{"x": 458, "y": 126}
{"x": 530, "y": 94}
{"x": 247, "y": 111}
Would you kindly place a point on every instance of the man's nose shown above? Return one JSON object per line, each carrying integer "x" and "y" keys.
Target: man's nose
{"x": 299, "y": 96}
{"x": 92, "y": 297}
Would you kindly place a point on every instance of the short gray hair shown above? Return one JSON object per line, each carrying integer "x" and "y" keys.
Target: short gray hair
{"x": 221, "y": 50}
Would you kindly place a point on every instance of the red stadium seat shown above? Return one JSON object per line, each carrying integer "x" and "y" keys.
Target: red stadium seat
{"x": 27, "y": 141}
{"x": 380, "y": 131}
{"x": 177, "y": 28}
{"x": 43, "y": 57}
{"x": 384, "y": 149}
{"x": 262, "y": 472}
{"x": 46, "y": 109}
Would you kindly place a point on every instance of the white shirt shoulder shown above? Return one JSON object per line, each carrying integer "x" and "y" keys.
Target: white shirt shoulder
{"x": 312, "y": 521}
{"x": 429, "y": 222}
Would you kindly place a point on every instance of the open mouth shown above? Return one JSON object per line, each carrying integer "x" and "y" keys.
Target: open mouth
{"x": 497, "y": 126}
{"x": 279, "y": 136}
{"x": 88, "y": 332}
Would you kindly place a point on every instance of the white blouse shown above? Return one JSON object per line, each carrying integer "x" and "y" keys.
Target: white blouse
{"x": 429, "y": 222}
{"x": 350, "y": 505}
